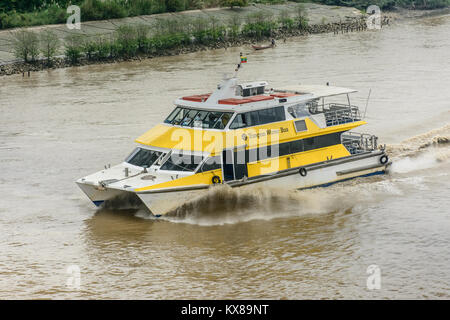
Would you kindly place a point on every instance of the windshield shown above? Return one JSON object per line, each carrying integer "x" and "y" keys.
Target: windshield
{"x": 143, "y": 157}
{"x": 199, "y": 118}
{"x": 180, "y": 162}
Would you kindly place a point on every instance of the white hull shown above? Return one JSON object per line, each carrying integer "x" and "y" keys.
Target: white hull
{"x": 99, "y": 195}
{"x": 161, "y": 202}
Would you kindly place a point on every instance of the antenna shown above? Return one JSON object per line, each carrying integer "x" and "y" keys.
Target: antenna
{"x": 367, "y": 103}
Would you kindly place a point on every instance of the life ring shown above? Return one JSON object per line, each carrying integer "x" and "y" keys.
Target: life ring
{"x": 302, "y": 172}
{"x": 384, "y": 159}
{"x": 216, "y": 180}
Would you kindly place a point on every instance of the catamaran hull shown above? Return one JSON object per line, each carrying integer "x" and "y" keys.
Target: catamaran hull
{"x": 318, "y": 175}
{"x": 99, "y": 195}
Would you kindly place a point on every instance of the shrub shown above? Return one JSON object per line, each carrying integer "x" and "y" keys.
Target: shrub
{"x": 141, "y": 7}
{"x": 126, "y": 39}
{"x": 233, "y": 3}
{"x": 234, "y": 26}
{"x": 175, "y": 5}
{"x": 142, "y": 31}
{"x": 89, "y": 48}
{"x": 259, "y": 25}
{"x": 103, "y": 48}
{"x": 73, "y": 47}
{"x": 26, "y": 45}
{"x": 287, "y": 23}
{"x": 301, "y": 17}
{"x": 98, "y": 10}
{"x": 49, "y": 44}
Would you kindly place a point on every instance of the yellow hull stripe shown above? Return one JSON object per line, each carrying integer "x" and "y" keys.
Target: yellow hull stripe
{"x": 260, "y": 167}
{"x": 210, "y": 141}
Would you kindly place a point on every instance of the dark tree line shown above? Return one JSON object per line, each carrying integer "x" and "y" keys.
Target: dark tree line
{"x": 33, "y": 5}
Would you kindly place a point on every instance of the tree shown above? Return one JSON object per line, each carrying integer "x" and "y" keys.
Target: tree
{"x": 175, "y": 5}
{"x": 233, "y": 3}
{"x": 73, "y": 47}
{"x": 126, "y": 38}
{"x": 301, "y": 16}
{"x": 49, "y": 45}
{"x": 26, "y": 45}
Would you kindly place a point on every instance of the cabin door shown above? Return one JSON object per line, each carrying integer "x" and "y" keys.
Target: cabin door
{"x": 234, "y": 164}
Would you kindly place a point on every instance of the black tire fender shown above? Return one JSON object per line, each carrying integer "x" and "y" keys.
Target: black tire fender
{"x": 302, "y": 172}
{"x": 384, "y": 159}
{"x": 216, "y": 180}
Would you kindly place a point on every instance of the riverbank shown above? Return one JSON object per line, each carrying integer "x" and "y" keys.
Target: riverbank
{"x": 256, "y": 23}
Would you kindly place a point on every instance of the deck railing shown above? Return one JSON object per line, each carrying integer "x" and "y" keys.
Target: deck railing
{"x": 336, "y": 113}
{"x": 359, "y": 142}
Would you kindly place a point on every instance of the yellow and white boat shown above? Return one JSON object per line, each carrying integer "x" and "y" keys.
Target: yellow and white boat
{"x": 239, "y": 135}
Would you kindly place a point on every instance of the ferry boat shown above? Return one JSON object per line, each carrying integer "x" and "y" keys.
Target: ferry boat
{"x": 240, "y": 135}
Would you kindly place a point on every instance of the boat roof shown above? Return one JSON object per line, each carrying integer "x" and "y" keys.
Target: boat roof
{"x": 226, "y": 99}
{"x": 319, "y": 91}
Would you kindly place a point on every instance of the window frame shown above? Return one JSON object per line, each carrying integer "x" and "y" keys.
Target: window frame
{"x": 259, "y": 119}
{"x": 177, "y": 165}
{"x": 220, "y": 114}
{"x": 139, "y": 149}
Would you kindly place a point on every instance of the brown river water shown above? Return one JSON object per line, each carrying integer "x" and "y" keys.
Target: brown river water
{"x": 60, "y": 125}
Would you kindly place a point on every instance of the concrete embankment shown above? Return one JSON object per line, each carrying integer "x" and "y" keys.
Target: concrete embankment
{"x": 321, "y": 19}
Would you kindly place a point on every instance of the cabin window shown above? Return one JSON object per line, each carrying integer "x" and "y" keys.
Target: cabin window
{"x": 239, "y": 121}
{"x": 223, "y": 121}
{"x": 258, "y": 117}
{"x": 271, "y": 115}
{"x": 298, "y": 110}
{"x": 189, "y": 117}
{"x": 252, "y": 118}
{"x": 212, "y": 163}
{"x": 265, "y": 116}
{"x": 178, "y": 119}
{"x": 172, "y": 115}
{"x": 181, "y": 162}
{"x": 300, "y": 125}
{"x": 199, "y": 118}
{"x": 296, "y": 146}
{"x": 287, "y": 148}
{"x": 310, "y": 143}
{"x": 143, "y": 157}
{"x": 252, "y": 91}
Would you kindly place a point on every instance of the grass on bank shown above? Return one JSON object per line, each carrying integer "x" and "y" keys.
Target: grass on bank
{"x": 25, "y": 13}
{"x": 129, "y": 41}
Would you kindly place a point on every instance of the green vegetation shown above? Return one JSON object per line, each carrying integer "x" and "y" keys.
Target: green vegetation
{"x": 26, "y": 45}
{"x": 49, "y": 44}
{"x": 259, "y": 25}
{"x": 387, "y": 4}
{"x": 172, "y": 34}
{"x": 74, "y": 48}
{"x": 24, "y": 13}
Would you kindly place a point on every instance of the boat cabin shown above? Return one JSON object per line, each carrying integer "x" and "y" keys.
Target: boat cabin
{"x": 271, "y": 129}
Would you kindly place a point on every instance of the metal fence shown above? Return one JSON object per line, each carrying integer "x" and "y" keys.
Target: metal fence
{"x": 359, "y": 142}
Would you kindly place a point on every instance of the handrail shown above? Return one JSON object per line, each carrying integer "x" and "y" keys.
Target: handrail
{"x": 359, "y": 142}
{"x": 336, "y": 113}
